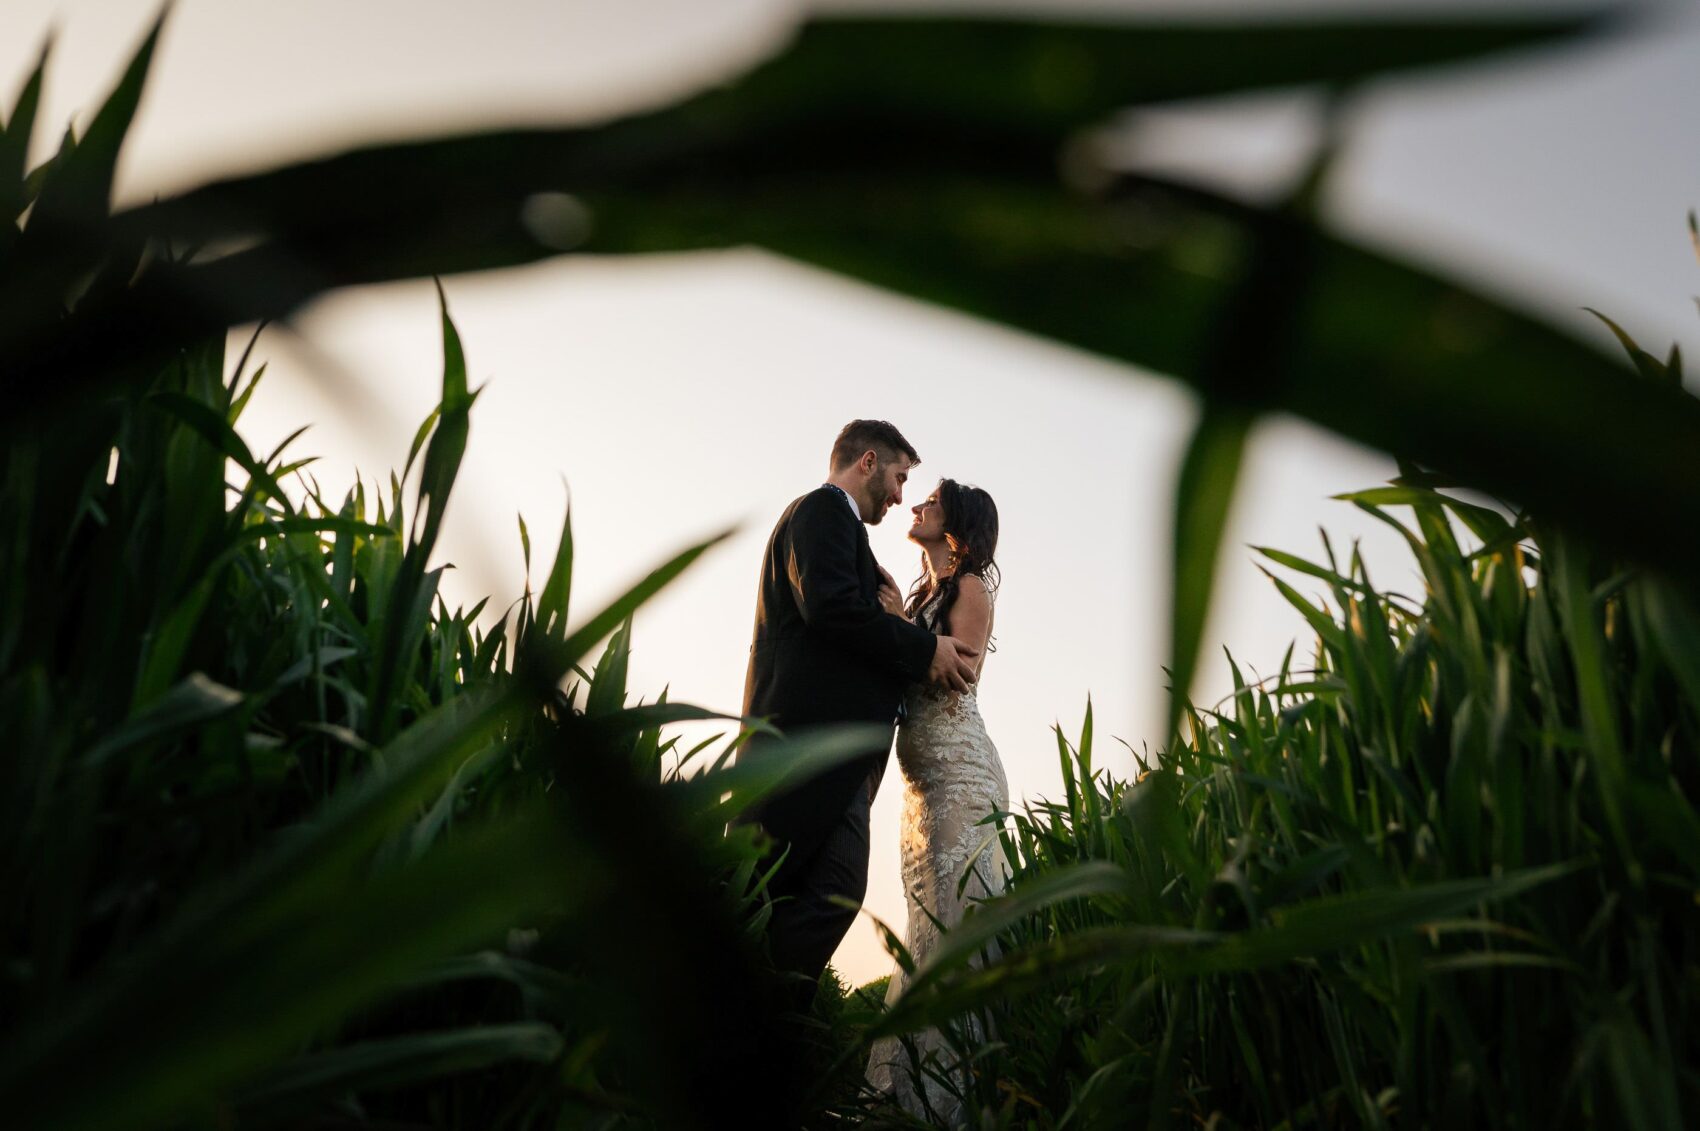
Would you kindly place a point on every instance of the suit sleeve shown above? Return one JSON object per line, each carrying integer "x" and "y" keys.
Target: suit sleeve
{"x": 821, "y": 567}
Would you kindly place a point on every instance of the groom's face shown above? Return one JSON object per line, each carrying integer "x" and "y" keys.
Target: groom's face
{"x": 885, "y": 487}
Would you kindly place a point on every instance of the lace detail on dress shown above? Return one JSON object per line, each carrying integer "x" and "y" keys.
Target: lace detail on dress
{"x": 952, "y": 780}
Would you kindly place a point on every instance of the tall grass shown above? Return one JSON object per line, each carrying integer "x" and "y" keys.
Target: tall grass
{"x": 269, "y": 796}
{"x": 1441, "y": 873}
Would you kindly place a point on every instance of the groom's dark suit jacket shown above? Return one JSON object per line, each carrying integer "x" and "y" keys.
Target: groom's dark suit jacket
{"x": 826, "y": 652}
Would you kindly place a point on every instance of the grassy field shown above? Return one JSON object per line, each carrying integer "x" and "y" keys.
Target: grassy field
{"x": 1439, "y": 871}
{"x": 293, "y": 840}
{"x": 271, "y": 798}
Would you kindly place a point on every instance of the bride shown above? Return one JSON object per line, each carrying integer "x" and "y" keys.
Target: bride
{"x": 952, "y": 777}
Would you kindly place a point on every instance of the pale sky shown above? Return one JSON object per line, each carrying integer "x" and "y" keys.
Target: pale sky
{"x": 682, "y": 394}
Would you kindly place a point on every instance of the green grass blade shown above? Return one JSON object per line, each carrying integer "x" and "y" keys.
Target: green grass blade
{"x": 986, "y": 920}
{"x": 74, "y": 199}
{"x": 202, "y": 1015}
{"x": 1009, "y": 73}
{"x": 555, "y": 599}
{"x": 387, "y": 1064}
{"x": 216, "y": 430}
{"x": 1675, "y": 628}
{"x": 185, "y": 707}
{"x": 1034, "y": 967}
{"x": 782, "y": 762}
{"x": 1330, "y": 923}
{"x": 1203, "y": 492}
{"x": 1596, "y": 700}
{"x": 577, "y": 644}
{"x": 405, "y": 612}
{"x": 14, "y": 149}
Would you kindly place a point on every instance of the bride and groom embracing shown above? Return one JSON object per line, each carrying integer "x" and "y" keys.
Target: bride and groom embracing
{"x": 836, "y": 642}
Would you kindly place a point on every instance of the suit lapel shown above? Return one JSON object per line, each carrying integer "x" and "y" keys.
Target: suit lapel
{"x": 865, "y": 558}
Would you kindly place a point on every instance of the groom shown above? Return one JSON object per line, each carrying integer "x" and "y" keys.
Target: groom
{"x": 826, "y": 651}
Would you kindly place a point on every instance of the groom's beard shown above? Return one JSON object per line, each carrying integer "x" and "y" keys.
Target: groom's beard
{"x": 876, "y": 508}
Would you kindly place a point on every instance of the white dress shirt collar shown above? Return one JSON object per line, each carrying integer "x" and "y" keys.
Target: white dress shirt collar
{"x": 854, "y": 509}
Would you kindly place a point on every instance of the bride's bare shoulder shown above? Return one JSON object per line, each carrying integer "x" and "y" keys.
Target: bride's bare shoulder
{"x": 971, "y": 614}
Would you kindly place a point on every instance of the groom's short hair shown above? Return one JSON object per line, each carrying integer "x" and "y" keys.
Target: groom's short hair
{"x": 880, "y": 436}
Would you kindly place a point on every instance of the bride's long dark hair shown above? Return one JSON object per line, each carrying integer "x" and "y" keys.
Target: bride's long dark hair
{"x": 971, "y": 533}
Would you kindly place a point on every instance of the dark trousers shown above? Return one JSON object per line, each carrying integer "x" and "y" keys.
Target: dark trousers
{"x": 807, "y": 923}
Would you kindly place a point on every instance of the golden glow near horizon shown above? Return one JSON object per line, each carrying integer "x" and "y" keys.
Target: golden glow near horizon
{"x": 680, "y": 394}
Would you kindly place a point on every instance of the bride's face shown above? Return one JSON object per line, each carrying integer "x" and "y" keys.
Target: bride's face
{"x": 929, "y": 521}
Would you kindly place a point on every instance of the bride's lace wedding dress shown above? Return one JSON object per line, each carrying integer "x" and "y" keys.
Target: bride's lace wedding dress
{"x": 952, "y": 780}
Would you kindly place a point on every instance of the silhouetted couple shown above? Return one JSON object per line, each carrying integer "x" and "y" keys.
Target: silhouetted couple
{"x": 835, "y": 641}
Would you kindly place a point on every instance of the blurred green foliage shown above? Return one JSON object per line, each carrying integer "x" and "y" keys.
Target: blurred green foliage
{"x": 290, "y": 842}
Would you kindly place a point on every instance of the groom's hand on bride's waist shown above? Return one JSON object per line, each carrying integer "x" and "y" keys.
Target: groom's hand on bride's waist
{"x": 953, "y": 664}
